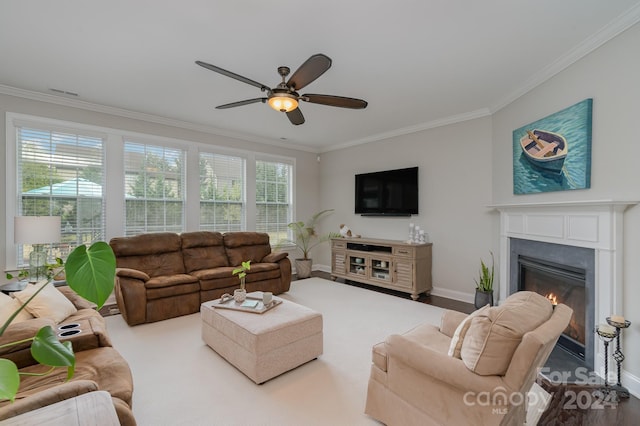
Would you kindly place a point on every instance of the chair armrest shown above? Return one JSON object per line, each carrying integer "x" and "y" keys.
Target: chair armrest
{"x": 450, "y": 321}
{"x": 47, "y": 397}
{"x": 439, "y": 366}
{"x": 132, "y": 273}
{"x": 275, "y": 257}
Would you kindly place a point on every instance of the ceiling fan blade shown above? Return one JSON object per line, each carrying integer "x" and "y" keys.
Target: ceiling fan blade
{"x": 336, "y": 101}
{"x": 241, "y": 103}
{"x": 233, "y": 75}
{"x": 311, "y": 69}
{"x": 295, "y": 117}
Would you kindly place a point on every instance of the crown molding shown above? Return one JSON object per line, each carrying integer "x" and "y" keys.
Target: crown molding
{"x": 616, "y": 27}
{"x": 479, "y": 113}
{"x": 134, "y": 115}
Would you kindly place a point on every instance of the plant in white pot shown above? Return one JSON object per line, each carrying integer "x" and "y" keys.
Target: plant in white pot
{"x": 305, "y": 238}
{"x": 484, "y": 285}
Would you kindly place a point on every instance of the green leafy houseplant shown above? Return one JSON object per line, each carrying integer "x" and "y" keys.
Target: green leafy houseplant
{"x": 241, "y": 271}
{"x": 305, "y": 236}
{"x": 485, "y": 281}
{"x": 305, "y": 239}
{"x": 90, "y": 273}
{"x": 484, "y": 284}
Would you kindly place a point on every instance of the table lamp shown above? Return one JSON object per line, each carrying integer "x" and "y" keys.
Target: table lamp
{"x": 37, "y": 231}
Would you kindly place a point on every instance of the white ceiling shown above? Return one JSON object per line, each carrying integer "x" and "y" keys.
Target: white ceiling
{"x": 419, "y": 63}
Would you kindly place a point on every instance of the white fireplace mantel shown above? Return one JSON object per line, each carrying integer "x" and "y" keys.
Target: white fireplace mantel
{"x": 592, "y": 224}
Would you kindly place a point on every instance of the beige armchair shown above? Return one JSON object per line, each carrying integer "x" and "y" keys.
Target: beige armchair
{"x": 473, "y": 370}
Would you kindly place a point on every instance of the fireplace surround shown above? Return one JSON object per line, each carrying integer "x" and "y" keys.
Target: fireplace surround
{"x": 567, "y": 272}
{"x": 595, "y": 225}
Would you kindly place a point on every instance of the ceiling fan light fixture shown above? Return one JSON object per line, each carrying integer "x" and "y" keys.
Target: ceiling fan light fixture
{"x": 283, "y": 102}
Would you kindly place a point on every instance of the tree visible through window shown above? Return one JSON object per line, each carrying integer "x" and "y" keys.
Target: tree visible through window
{"x": 222, "y": 197}
{"x": 61, "y": 174}
{"x": 273, "y": 198}
{"x": 154, "y": 189}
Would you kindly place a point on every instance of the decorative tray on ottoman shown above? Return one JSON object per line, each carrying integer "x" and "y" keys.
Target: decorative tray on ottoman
{"x": 251, "y": 304}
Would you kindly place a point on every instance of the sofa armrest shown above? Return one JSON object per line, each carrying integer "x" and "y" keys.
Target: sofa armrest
{"x": 21, "y": 353}
{"x": 47, "y": 397}
{"x": 450, "y": 321}
{"x": 132, "y": 273}
{"x": 131, "y": 296}
{"x": 439, "y": 366}
{"x": 78, "y": 301}
{"x": 275, "y": 257}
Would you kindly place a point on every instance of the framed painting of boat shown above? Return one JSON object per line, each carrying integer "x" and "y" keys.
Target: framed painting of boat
{"x": 554, "y": 153}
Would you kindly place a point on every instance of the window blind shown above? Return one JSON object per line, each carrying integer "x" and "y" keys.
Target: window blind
{"x": 61, "y": 174}
{"x": 154, "y": 188}
{"x": 222, "y": 192}
{"x": 273, "y": 198}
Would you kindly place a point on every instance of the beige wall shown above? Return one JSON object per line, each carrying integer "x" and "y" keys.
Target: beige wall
{"x": 455, "y": 189}
{"x": 609, "y": 75}
{"x": 307, "y": 166}
{"x": 467, "y": 166}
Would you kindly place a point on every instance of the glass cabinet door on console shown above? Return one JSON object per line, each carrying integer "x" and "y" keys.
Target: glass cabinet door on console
{"x": 358, "y": 265}
{"x": 381, "y": 268}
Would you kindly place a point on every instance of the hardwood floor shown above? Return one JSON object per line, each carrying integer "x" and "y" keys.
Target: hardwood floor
{"x": 564, "y": 409}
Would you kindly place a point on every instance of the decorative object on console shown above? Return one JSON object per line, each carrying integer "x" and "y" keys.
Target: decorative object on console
{"x": 305, "y": 239}
{"x": 37, "y": 231}
{"x": 417, "y": 235}
{"x": 554, "y": 153}
{"x": 345, "y": 231}
{"x": 484, "y": 285}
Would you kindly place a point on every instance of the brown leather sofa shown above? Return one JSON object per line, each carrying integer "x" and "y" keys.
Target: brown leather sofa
{"x": 166, "y": 275}
{"x": 98, "y": 365}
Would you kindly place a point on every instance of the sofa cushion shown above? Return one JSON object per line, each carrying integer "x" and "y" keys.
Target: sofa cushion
{"x": 243, "y": 246}
{"x": 203, "y": 250}
{"x": 8, "y": 305}
{"x": 49, "y": 303}
{"x": 155, "y": 254}
{"x": 461, "y": 331}
{"x": 494, "y": 334}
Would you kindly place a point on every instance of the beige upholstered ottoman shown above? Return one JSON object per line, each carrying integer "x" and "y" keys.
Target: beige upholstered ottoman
{"x": 265, "y": 345}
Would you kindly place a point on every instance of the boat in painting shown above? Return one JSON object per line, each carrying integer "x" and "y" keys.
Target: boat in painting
{"x": 544, "y": 149}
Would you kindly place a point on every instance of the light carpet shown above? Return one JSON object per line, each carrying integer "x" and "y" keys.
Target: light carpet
{"x": 179, "y": 380}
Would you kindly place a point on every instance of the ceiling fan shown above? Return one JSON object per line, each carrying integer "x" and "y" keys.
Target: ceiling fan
{"x": 284, "y": 97}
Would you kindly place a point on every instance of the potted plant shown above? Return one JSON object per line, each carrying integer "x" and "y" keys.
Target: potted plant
{"x": 484, "y": 285}
{"x": 240, "y": 294}
{"x": 90, "y": 273}
{"x": 305, "y": 239}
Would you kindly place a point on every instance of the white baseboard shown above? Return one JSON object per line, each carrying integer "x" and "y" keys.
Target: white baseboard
{"x": 453, "y": 294}
{"x": 631, "y": 382}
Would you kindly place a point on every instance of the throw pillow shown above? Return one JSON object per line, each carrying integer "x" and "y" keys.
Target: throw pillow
{"x": 49, "y": 303}
{"x": 461, "y": 331}
{"x": 8, "y": 305}
{"x": 494, "y": 335}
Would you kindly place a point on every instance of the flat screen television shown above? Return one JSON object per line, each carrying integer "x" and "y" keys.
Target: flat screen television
{"x": 387, "y": 193}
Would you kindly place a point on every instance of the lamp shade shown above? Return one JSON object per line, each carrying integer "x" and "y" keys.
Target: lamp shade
{"x": 36, "y": 229}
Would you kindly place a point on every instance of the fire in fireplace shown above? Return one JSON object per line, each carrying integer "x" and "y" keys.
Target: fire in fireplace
{"x": 560, "y": 284}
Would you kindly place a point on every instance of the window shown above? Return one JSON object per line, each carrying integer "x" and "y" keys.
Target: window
{"x": 154, "y": 188}
{"x": 222, "y": 195}
{"x": 273, "y": 198}
{"x": 61, "y": 174}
